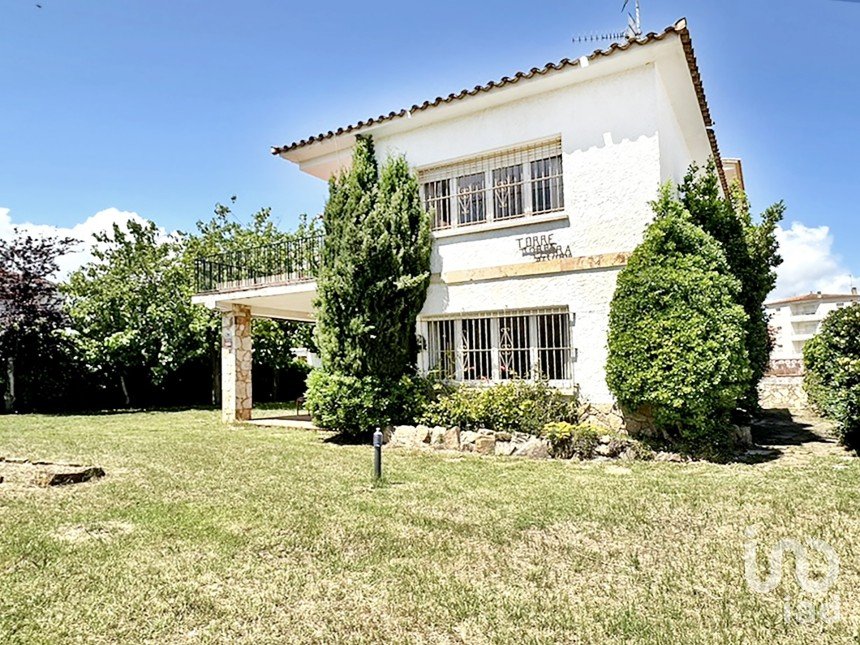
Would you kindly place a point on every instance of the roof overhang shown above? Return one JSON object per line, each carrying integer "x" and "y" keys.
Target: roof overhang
{"x": 284, "y": 301}
{"x": 322, "y": 154}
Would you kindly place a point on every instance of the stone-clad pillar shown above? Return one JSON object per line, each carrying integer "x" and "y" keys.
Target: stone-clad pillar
{"x": 236, "y": 363}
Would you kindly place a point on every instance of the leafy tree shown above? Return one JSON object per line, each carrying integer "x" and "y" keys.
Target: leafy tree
{"x": 31, "y": 313}
{"x": 676, "y": 333}
{"x": 371, "y": 286}
{"x": 751, "y": 251}
{"x": 273, "y": 339}
{"x": 131, "y": 306}
{"x": 224, "y": 232}
{"x": 832, "y": 380}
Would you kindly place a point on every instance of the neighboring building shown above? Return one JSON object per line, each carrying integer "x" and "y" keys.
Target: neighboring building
{"x": 539, "y": 187}
{"x": 793, "y": 321}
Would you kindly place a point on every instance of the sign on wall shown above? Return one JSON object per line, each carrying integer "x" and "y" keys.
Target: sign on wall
{"x": 542, "y": 247}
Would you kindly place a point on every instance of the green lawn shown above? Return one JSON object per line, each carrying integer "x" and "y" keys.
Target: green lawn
{"x": 204, "y": 533}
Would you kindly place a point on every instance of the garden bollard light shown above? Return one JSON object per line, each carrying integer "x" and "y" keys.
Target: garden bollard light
{"x": 377, "y": 454}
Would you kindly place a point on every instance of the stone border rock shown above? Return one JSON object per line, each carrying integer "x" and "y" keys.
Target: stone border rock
{"x": 46, "y": 473}
{"x": 612, "y": 417}
{"x": 506, "y": 444}
{"x": 480, "y": 442}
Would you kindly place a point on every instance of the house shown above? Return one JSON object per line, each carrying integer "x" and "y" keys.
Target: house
{"x": 794, "y": 321}
{"x": 538, "y": 186}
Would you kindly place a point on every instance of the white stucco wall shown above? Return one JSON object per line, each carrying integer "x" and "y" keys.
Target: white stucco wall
{"x": 611, "y": 160}
{"x": 675, "y": 151}
{"x": 587, "y": 294}
{"x": 620, "y": 142}
{"x": 624, "y": 131}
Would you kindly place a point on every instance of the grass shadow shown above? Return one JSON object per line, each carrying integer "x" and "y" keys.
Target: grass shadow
{"x": 775, "y": 430}
{"x": 346, "y": 439}
{"x": 117, "y": 411}
{"x": 780, "y": 428}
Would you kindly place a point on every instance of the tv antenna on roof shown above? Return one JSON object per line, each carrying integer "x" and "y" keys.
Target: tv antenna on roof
{"x": 634, "y": 21}
{"x": 633, "y": 31}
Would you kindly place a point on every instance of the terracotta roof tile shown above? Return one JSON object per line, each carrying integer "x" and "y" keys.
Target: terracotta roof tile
{"x": 810, "y": 297}
{"x": 679, "y": 28}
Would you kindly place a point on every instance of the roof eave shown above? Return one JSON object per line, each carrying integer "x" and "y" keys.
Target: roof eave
{"x": 679, "y": 28}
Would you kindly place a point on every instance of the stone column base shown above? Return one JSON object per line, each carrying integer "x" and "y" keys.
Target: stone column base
{"x": 236, "y": 364}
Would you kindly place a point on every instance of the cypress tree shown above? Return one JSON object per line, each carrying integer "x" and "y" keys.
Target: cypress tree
{"x": 371, "y": 286}
{"x": 401, "y": 229}
{"x": 751, "y": 252}
{"x": 341, "y": 310}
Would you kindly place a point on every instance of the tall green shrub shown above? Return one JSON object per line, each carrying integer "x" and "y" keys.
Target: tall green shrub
{"x": 832, "y": 361}
{"x": 751, "y": 253}
{"x": 676, "y": 333}
{"x": 371, "y": 286}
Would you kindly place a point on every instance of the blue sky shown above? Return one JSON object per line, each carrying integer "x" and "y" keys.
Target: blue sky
{"x": 164, "y": 107}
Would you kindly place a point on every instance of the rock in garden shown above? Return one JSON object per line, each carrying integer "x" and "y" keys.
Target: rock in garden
{"x": 534, "y": 448}
{"x": 437, "y": 436}
{"x": 422, "y": 434}
{"x": 504, "y": 448}
{"x": 605, "y": 450}
{"x": 485, "y": 443}
{"x": 616, "y": 423}
{"x": 467, "y": 441}
{"x": 410, "y": 436}
{"x": 451, "y": 439}
{"x": 629, "y": 454}
{"x": 58, "y": 475}
{"x": 402, "y": 436}
{"x": 668, "y": 456}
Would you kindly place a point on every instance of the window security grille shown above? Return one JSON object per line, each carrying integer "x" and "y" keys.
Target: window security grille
{"x": 502, "y": 346}
{"x": 514, "y": 347}
{"x": 477, "y": 354}
{"x": 498, "y": 187}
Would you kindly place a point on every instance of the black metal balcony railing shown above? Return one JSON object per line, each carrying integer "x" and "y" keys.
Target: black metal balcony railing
{"x": 296, "y": 260}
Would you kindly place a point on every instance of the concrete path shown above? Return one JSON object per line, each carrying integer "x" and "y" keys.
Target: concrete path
{"x": 794, "y": 438}
{"x": 302, "y": 422}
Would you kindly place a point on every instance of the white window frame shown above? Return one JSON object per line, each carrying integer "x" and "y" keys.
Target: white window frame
{"x": 522, "y": 156}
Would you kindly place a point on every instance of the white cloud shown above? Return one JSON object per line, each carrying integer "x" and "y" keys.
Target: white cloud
{"x": 101, "y": 221}
{"x": 809, "y": 263}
